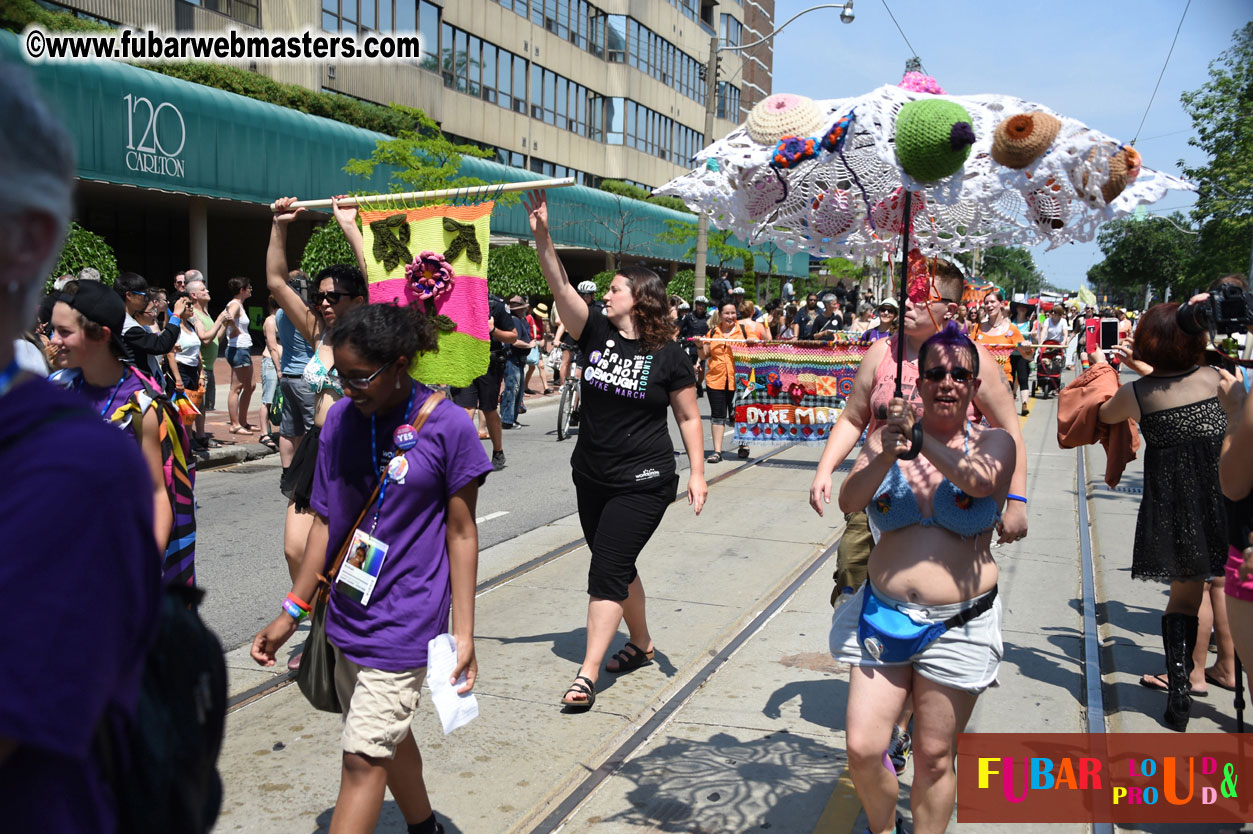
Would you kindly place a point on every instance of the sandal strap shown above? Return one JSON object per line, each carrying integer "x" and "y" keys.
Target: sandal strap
{"x": 587, "y": 689}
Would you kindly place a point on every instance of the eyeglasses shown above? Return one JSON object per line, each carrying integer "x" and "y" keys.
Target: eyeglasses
{"x": 360, "y": 383}
{"x": 334, "y": 297}
{"x": 959, "y": 375}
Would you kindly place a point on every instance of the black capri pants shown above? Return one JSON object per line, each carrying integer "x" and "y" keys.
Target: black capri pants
{"x": 720, "y": 406}
{"x": 617, "y": 524}
{"x": 1021, "y": 368}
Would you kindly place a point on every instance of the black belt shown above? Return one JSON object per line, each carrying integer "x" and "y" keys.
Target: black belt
{"x": 982, "y": 606}
{"x": 292, "y": 376}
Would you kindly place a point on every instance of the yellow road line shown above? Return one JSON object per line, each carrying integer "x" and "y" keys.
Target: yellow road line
{"x": 842, "y": 808}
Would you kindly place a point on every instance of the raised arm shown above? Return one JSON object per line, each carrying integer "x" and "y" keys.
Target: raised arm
{"x": 346, "y": 217}
{"x": 570, "y": 306}
{"x": 306, "y": 321}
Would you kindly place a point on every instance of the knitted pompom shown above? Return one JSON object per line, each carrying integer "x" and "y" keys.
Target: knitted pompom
{"x": 916, "y": 82}
{"x": 784, "y": 114}
{"x": 1021, "y": 139}
{"x": 928, "y": 146}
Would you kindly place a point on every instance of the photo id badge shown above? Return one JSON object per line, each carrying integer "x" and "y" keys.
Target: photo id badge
{"x": 360, "y": 571}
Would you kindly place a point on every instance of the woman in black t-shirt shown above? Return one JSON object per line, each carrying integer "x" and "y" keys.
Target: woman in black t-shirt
{"x": 624, "y": 470}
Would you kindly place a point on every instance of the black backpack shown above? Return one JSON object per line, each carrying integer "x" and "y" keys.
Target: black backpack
{"x": 171, "y": 784}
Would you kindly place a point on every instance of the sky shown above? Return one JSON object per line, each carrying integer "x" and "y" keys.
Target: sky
{"x": 1093, "y": 60}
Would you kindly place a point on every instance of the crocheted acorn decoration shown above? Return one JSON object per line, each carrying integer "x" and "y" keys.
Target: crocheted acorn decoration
{"x": 933, "y": 138}
{"x": 916, "y": 82}
{"x": 1124, "y": 167}
{"x": 793, "y": 149}
{"x": 784, "y": 114}
{"x": 1021, "y": 139}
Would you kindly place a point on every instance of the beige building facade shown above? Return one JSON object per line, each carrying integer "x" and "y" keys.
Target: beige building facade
{"x": 611, "y": 89}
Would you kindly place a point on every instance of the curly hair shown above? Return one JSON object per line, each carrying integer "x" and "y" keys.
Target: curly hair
{"x": 383, "y": 333}
{"x": 346, "y": 277}
{"x": 651, "y": 313}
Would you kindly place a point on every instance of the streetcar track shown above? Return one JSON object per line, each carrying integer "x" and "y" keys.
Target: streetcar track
{"x": 256, "y": 693}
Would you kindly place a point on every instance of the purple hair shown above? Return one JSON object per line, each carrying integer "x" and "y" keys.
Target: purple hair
{"x": 950, "y": 336}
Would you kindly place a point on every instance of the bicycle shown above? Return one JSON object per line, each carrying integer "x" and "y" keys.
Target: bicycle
{"x": 569, "y": 403}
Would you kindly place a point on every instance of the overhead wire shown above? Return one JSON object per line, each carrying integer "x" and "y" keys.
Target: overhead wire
{"x": 1163, "y": 72}
{"x": 912, "y": 51}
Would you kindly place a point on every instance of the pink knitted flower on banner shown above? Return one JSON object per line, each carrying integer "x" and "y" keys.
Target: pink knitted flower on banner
{"x": 916, "y": 82}
{"x": 429, "y": 275}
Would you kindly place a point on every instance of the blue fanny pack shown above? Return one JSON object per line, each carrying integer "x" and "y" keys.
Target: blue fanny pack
{"x": 891, "y": 636}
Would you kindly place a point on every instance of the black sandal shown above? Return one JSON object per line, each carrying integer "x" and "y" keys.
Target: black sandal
{"x": 629, "y": 662}
{"x": 588, "y": 689}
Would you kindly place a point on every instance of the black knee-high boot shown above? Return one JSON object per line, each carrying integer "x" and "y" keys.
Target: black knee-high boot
{"x": 1178, "y": 639}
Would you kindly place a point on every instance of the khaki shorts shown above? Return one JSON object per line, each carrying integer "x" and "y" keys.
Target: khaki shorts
{"x": 378, "y": 706}
{"x": 852, "y": 555}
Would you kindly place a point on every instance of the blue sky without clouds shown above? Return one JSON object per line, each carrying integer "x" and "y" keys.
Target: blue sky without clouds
{"x": 1093, "y": 60}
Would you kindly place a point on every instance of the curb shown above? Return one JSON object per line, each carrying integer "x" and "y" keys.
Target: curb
{"x": 228, "y": 455}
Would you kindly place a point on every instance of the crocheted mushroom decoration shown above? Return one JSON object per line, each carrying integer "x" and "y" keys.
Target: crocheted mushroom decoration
{"x": 933, "y": 138}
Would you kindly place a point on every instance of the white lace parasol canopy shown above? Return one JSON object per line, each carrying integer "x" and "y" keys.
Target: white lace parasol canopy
{"x": 825, "y": 177}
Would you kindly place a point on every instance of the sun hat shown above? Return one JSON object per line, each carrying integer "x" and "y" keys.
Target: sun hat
{"x": 541, "y": 308}
{"x": 1021, "y": 139}
{"x": 888, "y": 302}
{"x": 933, "y": 138}
{"x": 784, "y": 114}
{"x": 517, "y": 302}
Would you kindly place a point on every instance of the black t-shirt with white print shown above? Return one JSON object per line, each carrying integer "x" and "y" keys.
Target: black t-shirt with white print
{"x": 624, "y": 441}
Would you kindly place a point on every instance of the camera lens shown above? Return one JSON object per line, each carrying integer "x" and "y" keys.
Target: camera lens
{"x": 1193, "y": 318}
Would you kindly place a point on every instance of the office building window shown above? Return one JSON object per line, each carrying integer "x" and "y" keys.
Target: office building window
{"x": 615, "y": 38}
{"x": 728, "y": 101}
{"x": 732, "y": 31}
{"x": 428, "y": 28}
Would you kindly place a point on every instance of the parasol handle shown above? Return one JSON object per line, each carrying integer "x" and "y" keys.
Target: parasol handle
{"x": 907, "y": 226}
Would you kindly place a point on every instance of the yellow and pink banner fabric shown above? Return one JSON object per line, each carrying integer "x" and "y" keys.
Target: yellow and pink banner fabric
{"x": 435, "y": 257}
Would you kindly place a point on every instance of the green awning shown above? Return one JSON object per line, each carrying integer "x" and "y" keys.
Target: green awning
{"x": 135, "y": 127}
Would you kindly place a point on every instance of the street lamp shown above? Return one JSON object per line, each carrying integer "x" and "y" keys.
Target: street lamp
{"x": 711, "y": 95}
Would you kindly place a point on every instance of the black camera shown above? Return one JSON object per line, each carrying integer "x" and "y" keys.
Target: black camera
{"x": 1229, "y": 309}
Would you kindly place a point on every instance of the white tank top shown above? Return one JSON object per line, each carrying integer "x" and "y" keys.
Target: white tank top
{"x": 241, "y": 337}
{"x": 188, "y": 348}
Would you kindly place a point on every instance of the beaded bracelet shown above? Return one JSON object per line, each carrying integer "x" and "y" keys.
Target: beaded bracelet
{"x": 1013, "y": 497}
{"x": 294, "y": 611}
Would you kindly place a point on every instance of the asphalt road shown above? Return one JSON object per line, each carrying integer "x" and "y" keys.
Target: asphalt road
{"x": 239, "y": 547}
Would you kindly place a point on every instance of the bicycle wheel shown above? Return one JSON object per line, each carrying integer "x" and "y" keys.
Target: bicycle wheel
{"x": 564, "y": 409}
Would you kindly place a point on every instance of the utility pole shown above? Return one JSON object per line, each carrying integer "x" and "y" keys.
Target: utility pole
{"x": 702, "y": 219}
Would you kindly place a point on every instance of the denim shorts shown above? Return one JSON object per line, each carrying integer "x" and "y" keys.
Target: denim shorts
{"x": 965, "y": 658}
{"x": 238, "y": 357}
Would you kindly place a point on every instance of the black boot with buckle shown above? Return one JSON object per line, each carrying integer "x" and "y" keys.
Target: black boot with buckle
{"x": 1178, "y": 639}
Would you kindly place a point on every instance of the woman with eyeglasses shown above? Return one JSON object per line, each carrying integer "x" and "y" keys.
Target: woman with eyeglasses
{"x": 339, "y": 288}
{"x": 414, "y": 554}
{"x": 927, "y": 624}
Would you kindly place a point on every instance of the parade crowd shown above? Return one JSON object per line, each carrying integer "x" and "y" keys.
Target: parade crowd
{"x": 382, "y": 475}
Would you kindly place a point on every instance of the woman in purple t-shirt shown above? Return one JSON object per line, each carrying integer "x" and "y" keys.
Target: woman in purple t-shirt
{"x": 415, "y": 552}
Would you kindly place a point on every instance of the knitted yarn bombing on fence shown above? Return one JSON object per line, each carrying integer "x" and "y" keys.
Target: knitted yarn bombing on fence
{"x": 788, "y": 392}
{"x": 394, "y": 238}
{"x": 984, "y": 203}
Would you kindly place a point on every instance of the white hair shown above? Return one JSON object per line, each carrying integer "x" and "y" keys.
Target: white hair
{"x": 194, "y": 275}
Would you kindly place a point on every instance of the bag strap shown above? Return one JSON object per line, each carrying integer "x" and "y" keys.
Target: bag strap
{"x": 424, "y": 412}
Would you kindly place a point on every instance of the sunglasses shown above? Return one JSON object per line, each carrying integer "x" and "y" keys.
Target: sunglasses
{"x": 360, "y": 383}
{"x": 959, "y": 375}
{"x": 334, "y": 297}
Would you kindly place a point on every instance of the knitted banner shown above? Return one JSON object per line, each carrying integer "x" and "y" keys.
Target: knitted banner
{"x": 435, "y": 257}
{"x": 789, "y": 392}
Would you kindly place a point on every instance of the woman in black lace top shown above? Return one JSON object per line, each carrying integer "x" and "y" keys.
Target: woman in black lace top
{"x": 1181, "y": 528}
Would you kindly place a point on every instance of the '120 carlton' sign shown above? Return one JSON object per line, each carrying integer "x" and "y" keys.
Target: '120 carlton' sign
{"x": 149, "y": 122}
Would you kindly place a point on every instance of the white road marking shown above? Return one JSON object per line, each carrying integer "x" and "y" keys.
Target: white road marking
{"x": 490, "y": 516}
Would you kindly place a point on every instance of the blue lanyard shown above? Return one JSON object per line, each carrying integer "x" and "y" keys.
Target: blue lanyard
{"x": 8, "y": 376}
{"x": 374, "y": 457}
{"x": 112, "y": 394}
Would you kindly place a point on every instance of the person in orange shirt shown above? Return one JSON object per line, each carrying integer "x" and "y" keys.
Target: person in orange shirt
{"x": 715, "y": 348}
{"x": 997, "y": 329}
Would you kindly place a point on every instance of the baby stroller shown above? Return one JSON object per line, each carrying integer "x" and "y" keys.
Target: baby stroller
{"x": 1048, "y": 368}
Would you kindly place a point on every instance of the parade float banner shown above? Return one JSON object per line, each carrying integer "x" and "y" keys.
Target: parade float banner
{"x": 435, "y": 257}
{"x": 788, "y": 392}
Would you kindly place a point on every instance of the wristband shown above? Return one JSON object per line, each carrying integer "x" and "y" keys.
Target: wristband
{"x": 294, "y": 611}
{"x": 175, "y": 320}
{"x": 300, "y": 603}
{"x": 1013, "y": 497}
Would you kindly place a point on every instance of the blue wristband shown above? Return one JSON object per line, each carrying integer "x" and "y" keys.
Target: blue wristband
{"x": 1013, "y": 497}
{"x": 176, "y": 321}
{"x": 294, "y": 611}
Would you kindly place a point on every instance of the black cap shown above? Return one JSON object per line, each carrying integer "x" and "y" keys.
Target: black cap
{"x": 103, "y": 306}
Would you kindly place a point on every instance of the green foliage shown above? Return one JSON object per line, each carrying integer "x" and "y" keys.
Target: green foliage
{"x": 602, "y": 280}
{"x": 1154, "y": 252}
{"x": 253, "y": 85}
{"x": 673, "y": 203}
{"x": 514, "y": 270}
{"x": 634, "y": 192}
{"x": 1012, "y": 269}
{"x": 422, "y": 158}
{"x": 683, "y": 284}
{"x": 1220, "y": 112}
{"x": 327, "y": 246}
{"x": 16, "y": 15}
{"x": 83, "y": 249}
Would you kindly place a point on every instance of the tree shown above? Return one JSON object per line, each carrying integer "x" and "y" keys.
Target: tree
{"x": 327, "y": 246}
{"x": 611, "y": 230}
{"x": 514, "y": 270}
{"x": 1155, "y": 252}
{"x": 1221, "y": 112}
{"x": 721, "y": 251}
{"x": 83, "y": 249}
{"x": 1012, "y": 269}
